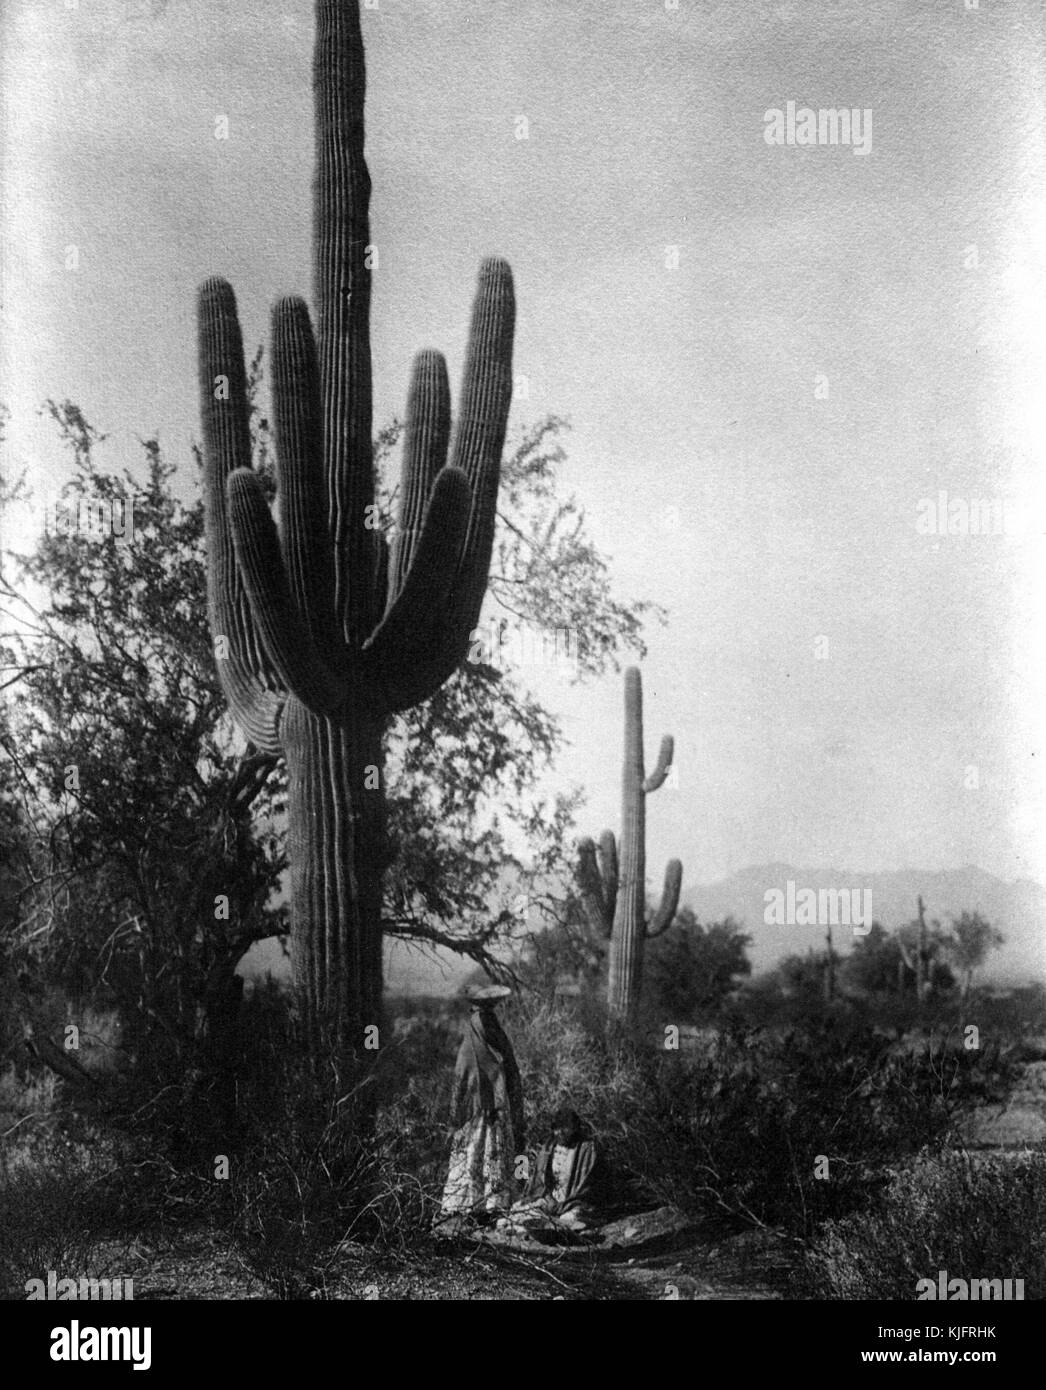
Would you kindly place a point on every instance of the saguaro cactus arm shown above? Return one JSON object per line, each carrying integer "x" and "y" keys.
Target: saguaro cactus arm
{"x": 424, "y": 453}
{"x": 298, "y": 424}
{"x": 243, "y": 669}
{"x": 405, "y": 634}
{"x": 609, "y": 872}
{"x": 666, "y": 910}
{"x": 664, "y": 762}
{"x": 284, "y": 634}
{"x": 598, "y": 881}
{"x": 480, "y": 435}
{"x": 410, "y": 677}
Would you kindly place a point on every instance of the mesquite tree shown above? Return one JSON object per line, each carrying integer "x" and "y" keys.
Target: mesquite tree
{"x": 613, "y": 893}
{"x": 323, "y": 631}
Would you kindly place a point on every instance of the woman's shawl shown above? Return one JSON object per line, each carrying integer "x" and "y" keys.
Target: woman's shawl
{"x": 580, "y": 1184}
{"x": 486, "y": 1076}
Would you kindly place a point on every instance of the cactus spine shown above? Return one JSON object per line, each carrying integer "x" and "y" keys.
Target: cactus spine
{"x": 327, "y": 634}
{"x": 613, "y": 893}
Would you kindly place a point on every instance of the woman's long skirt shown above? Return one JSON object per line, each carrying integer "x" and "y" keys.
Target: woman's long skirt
{"x": 480, "y": 1175}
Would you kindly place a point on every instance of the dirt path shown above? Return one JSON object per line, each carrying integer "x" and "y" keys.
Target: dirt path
{"x": 649, "y": 1257}
{"x": 659, "y": 1255}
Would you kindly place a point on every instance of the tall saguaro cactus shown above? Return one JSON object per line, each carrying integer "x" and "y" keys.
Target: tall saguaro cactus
{"x": 328, "y": 632}
{"x": 613, "y": 887}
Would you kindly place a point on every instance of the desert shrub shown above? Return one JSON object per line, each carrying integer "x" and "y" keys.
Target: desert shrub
{"x": 307, "y": 1191}
{"x": 55, "y": 1213}
{"x": 333, "y": 1162}
{"x": 744, "y": 1127}
{"x": 318, "y": 1160}
{"x": 1015, "y": 1020}
{"x": 693, "y": 969}
{"x": 973, "y": 1216}
{"x": 25, "y": 1093}
{"x": 72, "y": 1188}
{"x": 563, "y": 1056}
{"x": 413, "y": 1093}
{"x": 788, "y": 1131}
{"x": 328, "y": 1165}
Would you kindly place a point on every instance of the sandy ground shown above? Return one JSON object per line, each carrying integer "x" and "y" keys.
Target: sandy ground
{"x": 662, "y": 1258}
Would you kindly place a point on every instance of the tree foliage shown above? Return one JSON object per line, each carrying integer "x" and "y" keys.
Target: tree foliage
{"x": 147, "y": 808}
{"x": 873, "y": 964}
{"x": 151, "y": 878}
{"x": 692, "y": 968}
{"x": 968, "y": 942}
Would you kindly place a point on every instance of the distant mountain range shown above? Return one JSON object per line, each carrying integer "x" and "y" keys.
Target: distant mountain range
{"x": 1017, "y": 909}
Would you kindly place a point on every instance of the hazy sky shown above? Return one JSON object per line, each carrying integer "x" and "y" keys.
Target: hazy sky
{"x": 698, "y": 387}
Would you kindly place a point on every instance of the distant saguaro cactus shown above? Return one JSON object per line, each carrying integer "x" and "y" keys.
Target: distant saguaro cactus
{"x": 327, "y": 630}
{"x": 613, "y": 892}
{"x": 829, "y": 968}
{"x": 917, "y": 957}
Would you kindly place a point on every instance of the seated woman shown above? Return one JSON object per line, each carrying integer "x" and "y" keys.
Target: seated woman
{"x": 562, "y": 1189}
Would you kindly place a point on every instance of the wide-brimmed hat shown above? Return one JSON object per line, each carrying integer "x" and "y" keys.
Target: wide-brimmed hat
{"x": 487, "y": 994}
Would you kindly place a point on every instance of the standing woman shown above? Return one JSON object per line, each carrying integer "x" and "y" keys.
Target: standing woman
{"x": 486, "y": 1114}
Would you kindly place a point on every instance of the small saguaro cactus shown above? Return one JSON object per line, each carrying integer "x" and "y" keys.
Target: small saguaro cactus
{"x": 613, "y": 891}
{"x": 917, "y": 956}
{"x": 829, "y": 967}
{"x": 328, "y": 630}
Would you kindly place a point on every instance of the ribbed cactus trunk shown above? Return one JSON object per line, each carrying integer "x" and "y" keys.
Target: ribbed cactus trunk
{"x": 321, "y": 635}
{"x": 629, "y": 932}
{"x": 613, "y": 879}
{"x": 337, "y": 851}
